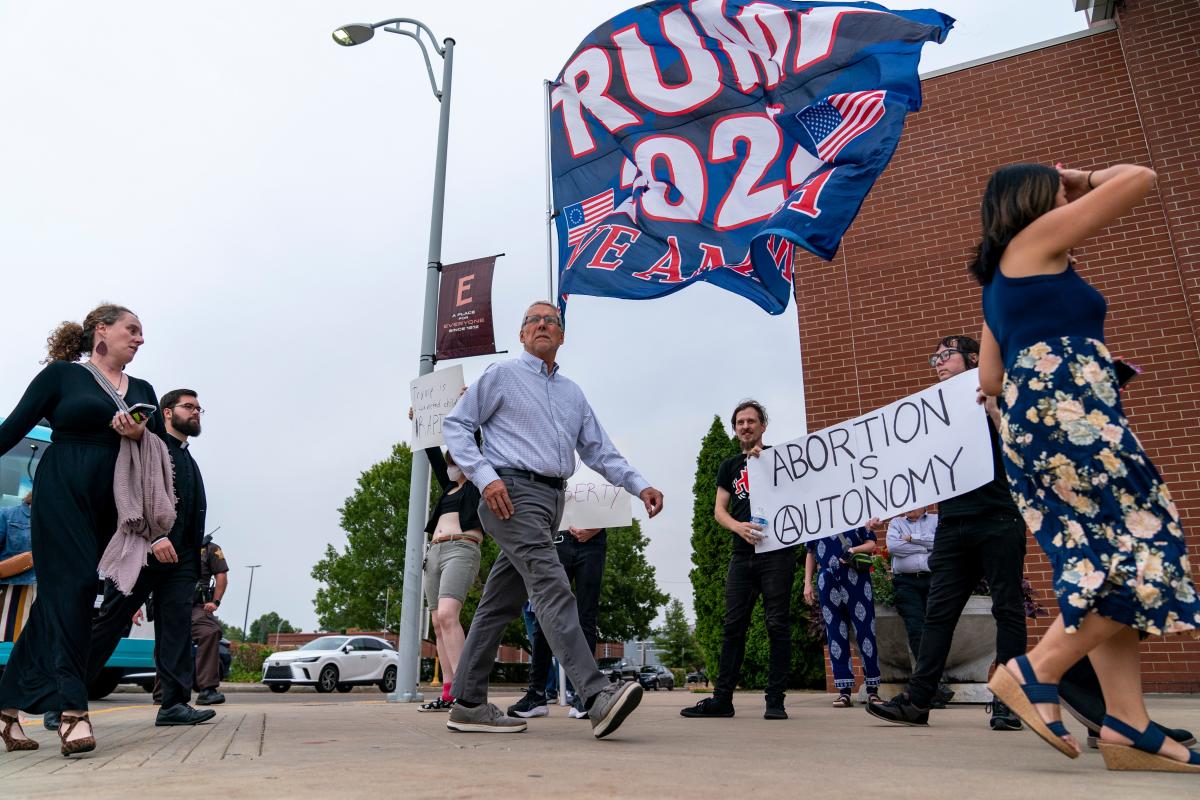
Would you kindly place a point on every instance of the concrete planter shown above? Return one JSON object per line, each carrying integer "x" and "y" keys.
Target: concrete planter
{"x": 971, "y": 655}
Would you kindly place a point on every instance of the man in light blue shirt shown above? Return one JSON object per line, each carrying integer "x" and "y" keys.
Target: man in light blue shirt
{"x": 534, "y": 420}
{"x": 910, "y": 541}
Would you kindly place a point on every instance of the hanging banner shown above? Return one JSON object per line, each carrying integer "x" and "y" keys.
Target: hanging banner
{"x": 433, "y": 398}
{"x": 701, "y": 141}
{"x": 930, "y": 446}
{"x": 593, "y": 502}
{"x": 464, "y": 318}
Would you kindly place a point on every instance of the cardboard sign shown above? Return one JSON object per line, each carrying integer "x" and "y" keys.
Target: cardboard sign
{"x": 433, "y": 398}
{"x": 593, "y": 502}
{"x": 930, "y": 446}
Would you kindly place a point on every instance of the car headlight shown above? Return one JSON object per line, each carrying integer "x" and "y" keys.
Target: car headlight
{"x": 308, "y": 660}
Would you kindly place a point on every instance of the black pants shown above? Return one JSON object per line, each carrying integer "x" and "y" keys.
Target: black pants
{"x": 751, "y": 574}
{"x": 584, "y": 565}
{"x": 965, "y": 550}
{"x": 173, "y": 589}
{"x": 911, "y": 597}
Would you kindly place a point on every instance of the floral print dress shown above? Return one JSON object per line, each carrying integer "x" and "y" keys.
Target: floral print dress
{"x": 1094, "y": 501}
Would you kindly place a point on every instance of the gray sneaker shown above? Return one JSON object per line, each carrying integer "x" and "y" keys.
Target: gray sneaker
{"x": 612, "y": 706}
{"x": 485, "y": 718}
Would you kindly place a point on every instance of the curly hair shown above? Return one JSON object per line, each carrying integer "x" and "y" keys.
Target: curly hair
{"x": 71, "y": 340}
{"x": 749, "y": 403}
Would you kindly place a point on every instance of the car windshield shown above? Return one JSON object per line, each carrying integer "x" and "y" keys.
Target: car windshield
{"x": 325, "y": 643}
{"x": 649, "y": 669}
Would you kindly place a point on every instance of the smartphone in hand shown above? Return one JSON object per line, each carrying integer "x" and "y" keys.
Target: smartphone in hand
{"x": 141, "y": 412}
{"x": 1125, "y": 372}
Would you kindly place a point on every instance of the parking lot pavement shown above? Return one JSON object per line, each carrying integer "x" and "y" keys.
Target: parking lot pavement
{"x": 358, "y": 745}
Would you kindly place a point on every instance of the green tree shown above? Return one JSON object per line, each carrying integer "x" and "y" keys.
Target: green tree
{"x": 268, "y": 624}
{"x": 711, "y": 545}
{"x": 360, "y": 581}
{"x": 675, "y": 640}
{"x": 629, "y": 594}
{"x": 232, "y": 632}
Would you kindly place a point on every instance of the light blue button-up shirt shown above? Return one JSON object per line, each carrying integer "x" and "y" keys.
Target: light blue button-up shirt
{"x": 532, "y": 419}
{"x": 908, "y": 557}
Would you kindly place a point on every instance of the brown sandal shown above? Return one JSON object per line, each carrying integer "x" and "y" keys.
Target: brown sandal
{"x": 84, "y": 745}
{"x": 843, "y": 701}
{"x": 10, "y": 743}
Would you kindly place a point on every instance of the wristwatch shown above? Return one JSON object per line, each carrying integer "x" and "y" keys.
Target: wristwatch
{"x": 215, "y": 602}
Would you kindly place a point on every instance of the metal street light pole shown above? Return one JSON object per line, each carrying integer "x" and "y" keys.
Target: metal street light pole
{"x": 249, "y": 589}
{"x": 409, "y": 673}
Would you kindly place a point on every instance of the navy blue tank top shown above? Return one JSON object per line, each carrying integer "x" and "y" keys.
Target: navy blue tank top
{"x": 1024, "y": 311}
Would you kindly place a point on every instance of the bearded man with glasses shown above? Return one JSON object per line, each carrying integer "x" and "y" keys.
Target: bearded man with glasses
{"x": 534, "y": 420}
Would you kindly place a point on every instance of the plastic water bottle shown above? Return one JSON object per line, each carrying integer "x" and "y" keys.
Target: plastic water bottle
{"x": 759, "y": 517}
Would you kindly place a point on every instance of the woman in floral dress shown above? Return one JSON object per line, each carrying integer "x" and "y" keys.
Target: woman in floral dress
{"x": 1095, "y": 503}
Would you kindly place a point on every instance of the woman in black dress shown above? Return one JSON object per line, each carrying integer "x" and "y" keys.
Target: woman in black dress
{"x": 73, "y": 515}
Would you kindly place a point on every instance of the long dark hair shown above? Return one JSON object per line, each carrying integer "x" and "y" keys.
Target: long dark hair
{"x": 1016, "y": 195}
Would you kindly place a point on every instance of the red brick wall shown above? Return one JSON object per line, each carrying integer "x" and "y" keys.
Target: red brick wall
{"x": 869, "y": 319}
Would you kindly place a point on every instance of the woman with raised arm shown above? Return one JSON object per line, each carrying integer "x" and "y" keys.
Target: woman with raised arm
{"x": 73, "y": 515}
{"x": 1093, "y": 500}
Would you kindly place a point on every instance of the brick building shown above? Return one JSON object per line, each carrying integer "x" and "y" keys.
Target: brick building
{"x": 1123, "y": 91}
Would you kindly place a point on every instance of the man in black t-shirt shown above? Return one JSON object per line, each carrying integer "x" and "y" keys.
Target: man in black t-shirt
{"x": 750, "y": 574}
{"x": 980, "y": 534}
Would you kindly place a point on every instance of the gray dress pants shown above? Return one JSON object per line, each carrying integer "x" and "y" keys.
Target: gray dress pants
{"x": 527, "y": 568}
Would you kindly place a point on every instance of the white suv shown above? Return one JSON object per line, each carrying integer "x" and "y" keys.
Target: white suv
{"x": 334, "y": 662}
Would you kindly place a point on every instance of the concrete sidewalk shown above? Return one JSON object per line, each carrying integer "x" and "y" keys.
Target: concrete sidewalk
{"x": 261, "y": 746}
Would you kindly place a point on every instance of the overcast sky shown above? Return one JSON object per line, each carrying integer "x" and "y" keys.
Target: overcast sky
{"x": 261, "y": 198}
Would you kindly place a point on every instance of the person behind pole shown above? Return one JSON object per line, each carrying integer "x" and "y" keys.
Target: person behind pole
{"x": 206, "y": 629}
{"x": 168, "y": 583}
{"x": 74, "y": 513}
{"x": 18, "y": 582}
{"x": 451, "y": 564}
{"x": 750, "y": 574}
{"x": 1093, "y": 500}
{"x": 534, "y": 420}
{"x": 582, "y": 552}
{"x": 847, "y": 599}
{"x": 980, "y": 534}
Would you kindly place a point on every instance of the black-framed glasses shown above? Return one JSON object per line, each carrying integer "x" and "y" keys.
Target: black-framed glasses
{"x": 944, "y": 356}
{"x": 190, "y": 407}
{"x": 552, "y": 320}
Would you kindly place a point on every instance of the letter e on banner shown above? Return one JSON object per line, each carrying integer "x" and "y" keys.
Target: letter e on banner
{"x": 464, "y": 319}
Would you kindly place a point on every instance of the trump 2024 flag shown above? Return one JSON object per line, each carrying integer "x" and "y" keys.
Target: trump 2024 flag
{"x": 703, "y": 140}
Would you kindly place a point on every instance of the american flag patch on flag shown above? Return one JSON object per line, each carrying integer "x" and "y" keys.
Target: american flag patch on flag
{"x": 581, "y": 217}
{"x": 835, "y": 121}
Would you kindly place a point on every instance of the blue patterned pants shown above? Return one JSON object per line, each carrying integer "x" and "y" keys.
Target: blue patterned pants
{"x": 847, "y": 599}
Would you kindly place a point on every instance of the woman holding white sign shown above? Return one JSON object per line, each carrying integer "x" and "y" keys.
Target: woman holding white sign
{"x": 451, "y": 564}
{"x": 1094, "y": 501}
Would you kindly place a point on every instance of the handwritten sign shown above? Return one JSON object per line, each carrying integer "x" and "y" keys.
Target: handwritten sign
{"x": 930, "y": 446}
{"x": 433, "y": 398}
{"x": 593, "y": 502}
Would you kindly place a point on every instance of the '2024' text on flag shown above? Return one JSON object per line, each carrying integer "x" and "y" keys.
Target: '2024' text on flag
{"x": 703, "y": 140}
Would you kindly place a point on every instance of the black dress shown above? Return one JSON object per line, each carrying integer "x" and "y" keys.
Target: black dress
{"x": 73, "y": 517}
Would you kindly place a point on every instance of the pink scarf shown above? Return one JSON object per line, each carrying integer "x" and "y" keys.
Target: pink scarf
{"x": 144, "y": 490}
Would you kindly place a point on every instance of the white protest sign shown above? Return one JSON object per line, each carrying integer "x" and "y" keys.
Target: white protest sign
{"x": 930, "y": 446}
{"x": 433, "y": 398}
{"x": 593, "y": 502}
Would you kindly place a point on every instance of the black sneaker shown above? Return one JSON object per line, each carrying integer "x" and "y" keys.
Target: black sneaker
{"x": 709, "y": 707}
{"x": 1003, "y": 718}
{"x": 531, "y": 705}
{"x": 900, "y": 710}
{"x": 943, "y": 697}
{"x": 775, "y": 709}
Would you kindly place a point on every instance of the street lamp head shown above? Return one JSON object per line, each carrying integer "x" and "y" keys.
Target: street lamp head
{"x": 350, "y": 35}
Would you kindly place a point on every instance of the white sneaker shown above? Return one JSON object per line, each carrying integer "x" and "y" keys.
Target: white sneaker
{"x": 577, "y": 713}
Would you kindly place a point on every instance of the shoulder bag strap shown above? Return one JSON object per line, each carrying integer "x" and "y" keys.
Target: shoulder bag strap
{"x": 106, "y": 385}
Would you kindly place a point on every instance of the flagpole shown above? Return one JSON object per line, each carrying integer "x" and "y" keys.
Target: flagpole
{"x": 549, "y": 195}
